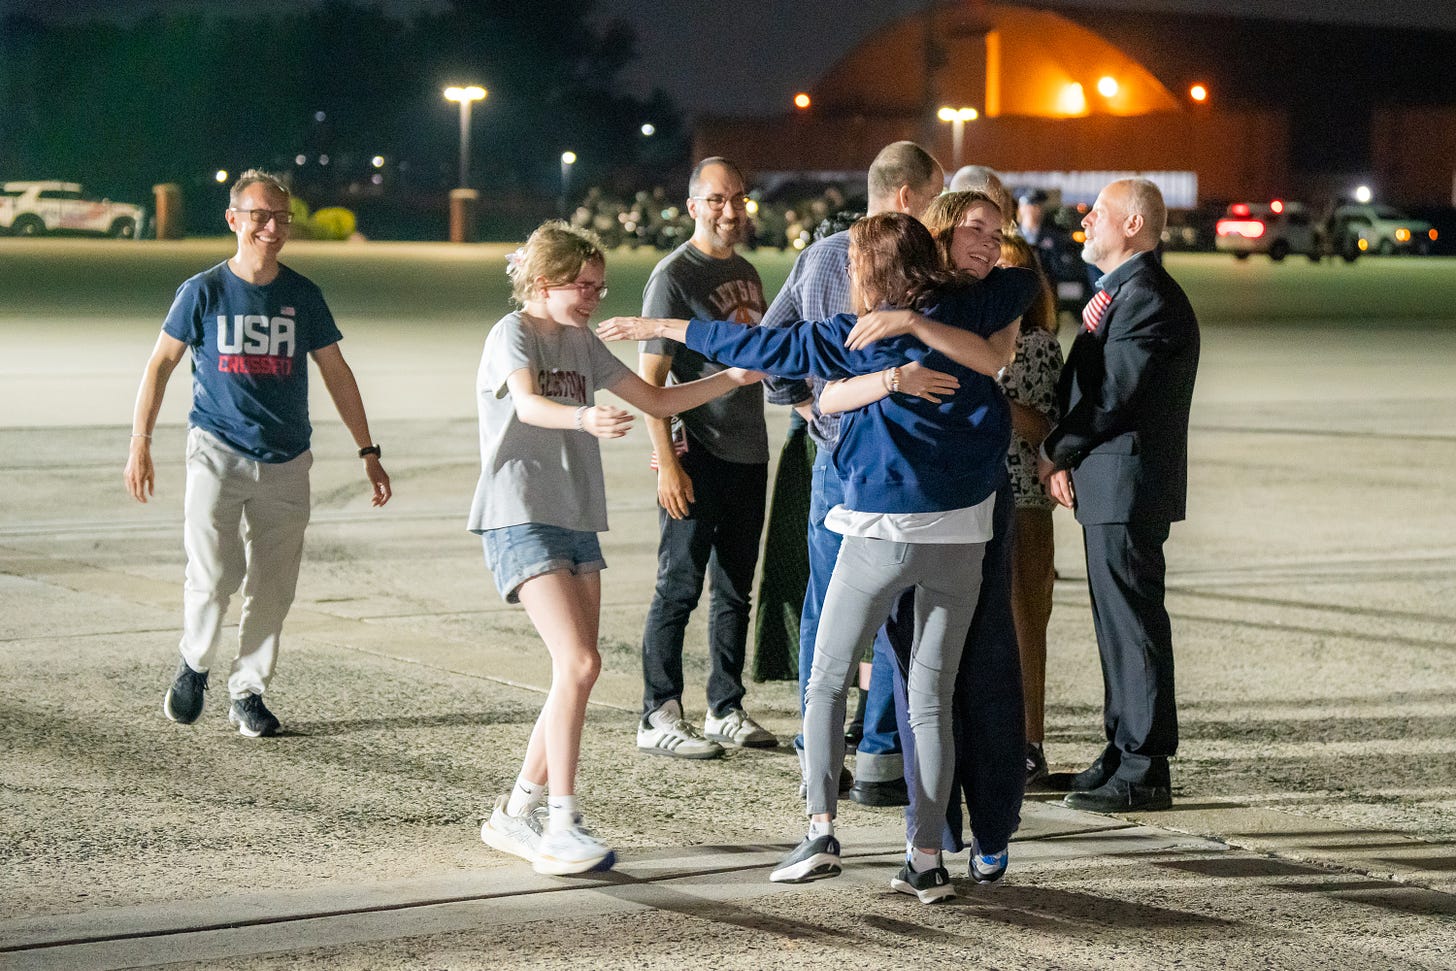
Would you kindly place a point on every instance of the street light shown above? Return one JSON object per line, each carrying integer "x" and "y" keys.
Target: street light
{"x": 465, "y": 95}
{"x": 568, "y": 159}
{"x": 957, "y": 118}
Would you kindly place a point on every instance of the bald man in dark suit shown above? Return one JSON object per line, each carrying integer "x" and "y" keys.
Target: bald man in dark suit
{"x": 1119, "y": 458}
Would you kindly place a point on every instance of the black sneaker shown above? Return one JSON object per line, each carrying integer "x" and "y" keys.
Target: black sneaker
{"x": 813, "y": 859}
{"x": 1036, "y": 765}
{"x": 184, "y": 699}
{"x": 929, "y": 886}
{"x": 253, "y": 717}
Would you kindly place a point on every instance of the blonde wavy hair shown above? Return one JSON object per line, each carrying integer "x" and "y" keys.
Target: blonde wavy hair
{"x": 555, "y": 252}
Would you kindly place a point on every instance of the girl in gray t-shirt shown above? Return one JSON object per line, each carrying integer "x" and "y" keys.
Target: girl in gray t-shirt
{"x": 540, "y": 503}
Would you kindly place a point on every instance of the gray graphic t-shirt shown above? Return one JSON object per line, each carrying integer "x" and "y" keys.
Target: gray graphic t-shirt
{"x": 530, "y": 474}
{"x": 689, "y": 283}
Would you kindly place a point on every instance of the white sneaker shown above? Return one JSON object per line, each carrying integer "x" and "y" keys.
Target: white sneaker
{"x": 571, "y": 850}
{"x": 737, "y": 729}
{"x": 666, "y": 732}
{"x": 517, "y": 835}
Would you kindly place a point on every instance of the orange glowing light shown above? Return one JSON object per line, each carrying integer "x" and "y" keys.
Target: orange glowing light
{"x": 801, "y": 101}
{"x": 1198, "y": 93}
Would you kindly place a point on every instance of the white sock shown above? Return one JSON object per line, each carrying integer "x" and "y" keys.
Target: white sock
{"x": 922, "y": 860}
{"x": 818, "y": 829}
{"x": 525, "y": 796}
{"x": 564, "y": 813}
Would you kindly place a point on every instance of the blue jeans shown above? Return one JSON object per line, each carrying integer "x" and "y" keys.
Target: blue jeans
{"x": 879, "y": 751}
{"x": 718, "y": 539}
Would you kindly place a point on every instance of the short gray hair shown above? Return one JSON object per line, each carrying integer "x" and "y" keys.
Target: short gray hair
{"x": 980, "y": 178}
{"x": 256, "y": 177}
{"x": 1145, "y": 199}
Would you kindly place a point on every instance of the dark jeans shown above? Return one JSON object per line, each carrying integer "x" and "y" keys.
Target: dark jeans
{"x": 881, "y": 736}
{"x": 718, "y": 539}
{"x": 990, "y": 720}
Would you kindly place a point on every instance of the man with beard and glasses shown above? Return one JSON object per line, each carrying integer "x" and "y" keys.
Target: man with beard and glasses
{"x": 712, "y": 478}
{"x": 1119, "y": 458}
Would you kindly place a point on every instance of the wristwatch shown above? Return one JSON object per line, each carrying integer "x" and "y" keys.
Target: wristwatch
{"x": 370, "y": 450}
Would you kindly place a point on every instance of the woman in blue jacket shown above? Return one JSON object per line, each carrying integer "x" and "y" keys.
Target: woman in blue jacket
{"x": 920, "y": 477}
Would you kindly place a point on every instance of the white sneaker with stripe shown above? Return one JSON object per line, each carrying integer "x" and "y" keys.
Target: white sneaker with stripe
{"x": 666, "y": 732}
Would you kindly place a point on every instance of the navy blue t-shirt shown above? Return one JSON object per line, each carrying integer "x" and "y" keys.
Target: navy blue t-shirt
{"x": 250, "y": 348}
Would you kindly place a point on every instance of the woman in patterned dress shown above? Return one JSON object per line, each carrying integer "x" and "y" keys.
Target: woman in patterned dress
{"x": 1030, "y": 384}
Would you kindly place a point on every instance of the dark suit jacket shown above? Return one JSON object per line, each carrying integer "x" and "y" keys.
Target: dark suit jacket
{"x": 1124, "y": 394}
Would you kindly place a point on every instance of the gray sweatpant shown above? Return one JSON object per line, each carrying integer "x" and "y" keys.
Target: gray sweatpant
{"x": 243, "y": 524}
{"x": 868, "y": 578}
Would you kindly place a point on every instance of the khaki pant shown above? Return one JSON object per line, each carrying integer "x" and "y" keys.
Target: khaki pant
{"x": 243, "y": 524}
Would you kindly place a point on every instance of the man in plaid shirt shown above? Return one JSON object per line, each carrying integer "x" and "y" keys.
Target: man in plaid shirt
{"x": 902, "y": 178}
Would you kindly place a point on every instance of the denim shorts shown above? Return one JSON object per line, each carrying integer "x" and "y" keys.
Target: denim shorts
{"x": 515, "y": 554}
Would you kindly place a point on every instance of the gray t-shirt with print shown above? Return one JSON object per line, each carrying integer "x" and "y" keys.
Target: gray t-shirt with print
{"x": 689, "y": 283}
{"x": 530, "y": 474}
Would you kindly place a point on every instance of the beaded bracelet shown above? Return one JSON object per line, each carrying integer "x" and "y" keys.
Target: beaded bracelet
{"x": 580, "y": 417}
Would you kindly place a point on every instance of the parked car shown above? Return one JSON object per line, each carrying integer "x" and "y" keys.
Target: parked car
{"x": 1276, "y": 229}
{"x": 1386, "y": 230}
{"x": 34, "y": 208}
{"x": 1191, "y": 230}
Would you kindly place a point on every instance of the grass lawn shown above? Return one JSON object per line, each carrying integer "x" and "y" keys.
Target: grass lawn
{"x": 441, "y": 282}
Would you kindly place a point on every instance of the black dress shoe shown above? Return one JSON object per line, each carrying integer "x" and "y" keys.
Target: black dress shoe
{"x": 1120, "y": 796}
{"x": 891, "y": 793}
{"x": 1095, "y": 776}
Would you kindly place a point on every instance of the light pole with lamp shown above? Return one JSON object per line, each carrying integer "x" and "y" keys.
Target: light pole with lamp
{"x": 463, "y": 198}
{"x": 465, "y": 96}
{"x": 957, "y": 118}
{"x": 568, "y": 159}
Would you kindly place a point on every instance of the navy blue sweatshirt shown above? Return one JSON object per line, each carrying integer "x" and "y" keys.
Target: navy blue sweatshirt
{"x": 901, "y": 454}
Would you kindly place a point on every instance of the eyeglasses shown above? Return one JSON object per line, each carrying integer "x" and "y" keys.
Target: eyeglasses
{"x": 260, "y": 217}
{"x": 585, "y": 289}
{"x": 717, "y": 203}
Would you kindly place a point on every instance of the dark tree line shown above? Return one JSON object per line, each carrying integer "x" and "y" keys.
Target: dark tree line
{"x": 122, "y": 106}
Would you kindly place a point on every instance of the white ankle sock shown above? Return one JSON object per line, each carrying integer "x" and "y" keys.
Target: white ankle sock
{"x": 564, "y": 813}
{"x": 525, "y": 795}
{"x": 923, "y": 860}
{"x": 818, "y": 829}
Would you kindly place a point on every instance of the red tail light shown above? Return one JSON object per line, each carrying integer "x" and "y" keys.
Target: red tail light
{"x": 1239, "y": 209}
{"x": 1247, "y": 228}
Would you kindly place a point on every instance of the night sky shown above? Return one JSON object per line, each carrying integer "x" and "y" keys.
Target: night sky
{"x": 750, "y": 56}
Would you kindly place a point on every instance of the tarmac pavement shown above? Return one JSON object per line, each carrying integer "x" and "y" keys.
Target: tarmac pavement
{"x": 1314, "y": 821}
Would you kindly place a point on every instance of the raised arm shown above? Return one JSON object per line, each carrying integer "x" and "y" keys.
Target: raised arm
{"x": 139, "y": 475}
{"x": 664, "y": 402}
{"x": 642, "y": 329}
{"x": 534, "y": 408}
{"x": 911, "y": 379}
{"x": 986, "y": 355}
{"x": 339, "y": 379}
